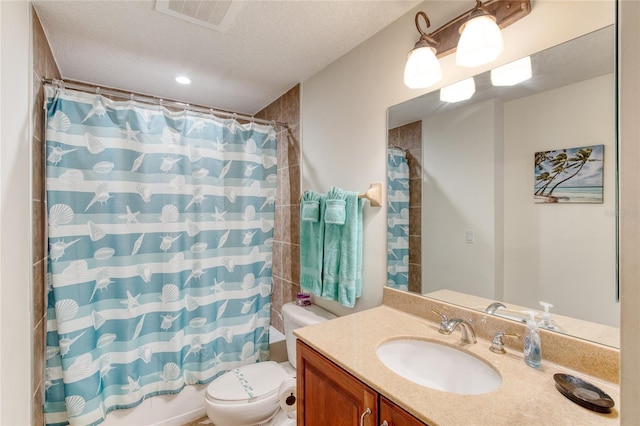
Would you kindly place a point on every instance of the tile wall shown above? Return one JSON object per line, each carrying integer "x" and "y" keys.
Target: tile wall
{"x": 44, "y": 66}
{"x": 286, "y": 245}
{"x": 409, "y": 137}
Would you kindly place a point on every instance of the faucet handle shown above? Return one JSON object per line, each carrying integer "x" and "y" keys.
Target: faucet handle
{"x": 443, "y": 319}
{"x": 497, "y": 345}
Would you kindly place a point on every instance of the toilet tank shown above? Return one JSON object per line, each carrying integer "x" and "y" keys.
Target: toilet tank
{"x": 300, "y": 316}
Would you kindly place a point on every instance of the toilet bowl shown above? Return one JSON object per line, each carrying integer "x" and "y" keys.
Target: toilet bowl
{"x": 249, "y": 395}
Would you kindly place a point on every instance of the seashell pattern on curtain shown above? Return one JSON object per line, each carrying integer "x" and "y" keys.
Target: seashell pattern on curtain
{"x": 160, "y": 234}
{"x": 397, "y": 219}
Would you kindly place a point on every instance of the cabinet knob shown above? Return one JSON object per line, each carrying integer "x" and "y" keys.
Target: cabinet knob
{"x": 366, "y": 413}
{"x": 384, "y": 423}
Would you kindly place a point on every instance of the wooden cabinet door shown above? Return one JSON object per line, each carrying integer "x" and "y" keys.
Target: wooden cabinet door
{"x": 396, "y": 416}
{"x": 328, "y": 395}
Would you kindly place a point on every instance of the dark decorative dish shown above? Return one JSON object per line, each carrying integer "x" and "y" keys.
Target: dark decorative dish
{"x": 583, "y": 393}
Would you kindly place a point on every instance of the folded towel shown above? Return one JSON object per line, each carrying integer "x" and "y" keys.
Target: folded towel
{"x": 310, "y": 211}
{"x": 311, "y": 242}
{"x": 335, "y": 212}
{"x": 342, "y": 265}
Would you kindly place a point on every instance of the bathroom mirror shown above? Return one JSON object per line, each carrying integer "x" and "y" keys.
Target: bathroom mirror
{"x": 464, "y": 225}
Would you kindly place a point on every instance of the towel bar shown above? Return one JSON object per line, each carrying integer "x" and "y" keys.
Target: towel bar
{"x": 373, "y": 194}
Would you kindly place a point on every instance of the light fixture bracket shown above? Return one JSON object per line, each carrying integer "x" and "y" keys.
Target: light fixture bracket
{"x": 426, "y": 40}
{"x": 506, "y": 12}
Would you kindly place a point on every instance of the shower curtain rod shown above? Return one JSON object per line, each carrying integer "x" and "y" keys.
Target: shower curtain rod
{"x": 86, "y": 87}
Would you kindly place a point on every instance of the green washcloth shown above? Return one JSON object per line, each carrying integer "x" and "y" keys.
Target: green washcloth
{"x": 311, "y": 242}
{"x": 342, "y": 266}
{"x": 350, "y": 284}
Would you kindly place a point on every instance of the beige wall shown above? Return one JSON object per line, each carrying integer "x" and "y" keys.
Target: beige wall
{"x": 16, "y": 320}
{"x": 629, "y": 142}
{"x": 345, "y": 106}
{"x": 536, "y": 259}
{"x": 460, "y": 196}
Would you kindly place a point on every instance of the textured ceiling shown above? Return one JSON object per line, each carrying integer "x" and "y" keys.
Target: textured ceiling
{"x": 269, "y": 47}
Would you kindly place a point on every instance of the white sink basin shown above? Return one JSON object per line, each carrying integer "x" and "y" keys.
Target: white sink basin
{"x": 438, "y": 366}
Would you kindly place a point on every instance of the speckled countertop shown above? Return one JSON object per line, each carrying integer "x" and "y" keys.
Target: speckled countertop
{"x": 527, "y": 396}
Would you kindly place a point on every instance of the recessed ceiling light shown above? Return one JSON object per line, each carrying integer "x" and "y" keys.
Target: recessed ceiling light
{"x": 183, "y": 79}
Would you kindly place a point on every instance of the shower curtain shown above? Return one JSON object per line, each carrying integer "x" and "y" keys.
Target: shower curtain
{"x": 160, "y": 232}
{"x": 397, "y": 219}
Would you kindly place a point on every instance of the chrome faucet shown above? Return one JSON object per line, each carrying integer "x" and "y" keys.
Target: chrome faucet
{"x": 448, "y": 325}
{"x": 491, "y": 309}
{"x": 468, "y": 335}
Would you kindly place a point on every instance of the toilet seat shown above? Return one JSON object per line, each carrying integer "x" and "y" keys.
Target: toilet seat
{"x": 247, "y": 384}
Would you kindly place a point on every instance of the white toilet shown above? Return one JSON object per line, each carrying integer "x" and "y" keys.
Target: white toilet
{"x": 249, "y": 395}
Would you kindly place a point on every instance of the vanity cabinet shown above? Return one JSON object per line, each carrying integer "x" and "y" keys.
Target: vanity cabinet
{"x": 328, "y": 395}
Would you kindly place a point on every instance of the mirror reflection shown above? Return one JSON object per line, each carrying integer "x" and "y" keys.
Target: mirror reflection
{"x": 465, "y": 224}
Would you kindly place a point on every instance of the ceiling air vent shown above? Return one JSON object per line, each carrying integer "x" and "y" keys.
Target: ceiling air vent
{"x": 214, "y": 14}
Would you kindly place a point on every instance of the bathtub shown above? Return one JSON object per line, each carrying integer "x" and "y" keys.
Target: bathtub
{"x": 178, "y": 409}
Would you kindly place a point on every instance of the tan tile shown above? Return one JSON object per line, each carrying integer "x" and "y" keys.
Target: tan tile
{"x": 415, "y": 192}
{"x": 38, "y": 170}
{"x": 39, "y": 339}
{"x": 40, "y": 45}
{"x": 282, "y": 196}
{"x": 294, "y": 224}
{"x": 279, "y": 226}
{"x": 415, "y": 278}
{"x": 38, "y": 230}
{"x": 273, "y": 111}
{"x": 415, "y": 221}
{"x": 38, "y": 112}
{"x": 277, "y": 294}
{"x": 294, "y": 184}
{"x": 415, "y": 168}
{"x": 393, "y": 137}
{"x": 291, "y": 266}
{"x": 276, "y": 320}
{"x": 277, "y": 259}
{"x": 412, "y": 135}
{"x": 288, "y": 185}
{"x": 415, "y": 251}
{"x": 37, "y": 418}
{"x": 291, "y": 106}
{"x": 39, "y": 286}
{"x": 289, "y": 147}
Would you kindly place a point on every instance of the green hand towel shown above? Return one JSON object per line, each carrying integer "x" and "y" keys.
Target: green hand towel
{"x": 311, "y": 242}
{"x": 342, "y": 266}
{"x": 350, "y": 282}
{"x": 333, "y": 230}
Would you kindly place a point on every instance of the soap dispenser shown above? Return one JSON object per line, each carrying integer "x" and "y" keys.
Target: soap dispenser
{"x": 546, "y": 321}
{"x": 532, "y": 349}
{"x": 546, "y": 315}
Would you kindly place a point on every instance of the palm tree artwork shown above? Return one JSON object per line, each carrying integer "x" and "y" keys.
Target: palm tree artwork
{"x": 571, "y": 175}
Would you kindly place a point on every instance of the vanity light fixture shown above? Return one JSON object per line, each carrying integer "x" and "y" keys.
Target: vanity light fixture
{"x": 183, "y": 79}
{"x": 422, "y": 68}
{"x": 455, "y": 35}
{"x": 480, "y": 39}
{"x": 512, "y": 73}
{"x": 457, "y": 92}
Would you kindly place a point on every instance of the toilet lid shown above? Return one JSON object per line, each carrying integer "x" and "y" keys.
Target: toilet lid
{"x": 247, "y": 383}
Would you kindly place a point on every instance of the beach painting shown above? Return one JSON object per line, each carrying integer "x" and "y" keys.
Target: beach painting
{"x": 572, "y": 175}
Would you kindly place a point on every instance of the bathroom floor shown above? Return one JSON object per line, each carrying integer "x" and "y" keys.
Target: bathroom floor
{"x": 198, "y": 422}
